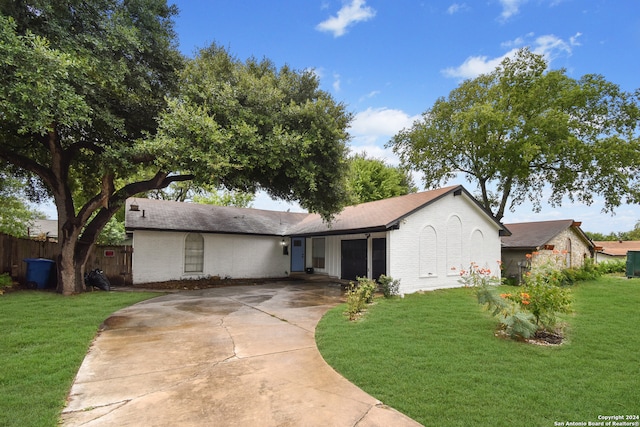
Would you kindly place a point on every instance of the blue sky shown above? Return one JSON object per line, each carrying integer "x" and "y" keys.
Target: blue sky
{"x": 388, "y": 61}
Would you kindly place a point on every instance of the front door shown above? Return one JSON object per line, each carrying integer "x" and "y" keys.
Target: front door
{"x": 378, "y": 258}
{"x": 354, "y": 259}
{"x": 297, "y": 254}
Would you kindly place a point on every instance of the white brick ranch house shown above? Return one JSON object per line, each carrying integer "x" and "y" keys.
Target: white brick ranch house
{"x": 418, "y": 238}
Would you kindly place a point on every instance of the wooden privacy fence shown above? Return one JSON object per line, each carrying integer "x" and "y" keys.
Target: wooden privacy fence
{"x": 115, "y": 261}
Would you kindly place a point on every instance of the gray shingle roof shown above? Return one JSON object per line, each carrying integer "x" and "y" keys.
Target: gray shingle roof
{"x": 365, "y": 217}
{"x": 530, "y": 235}
{"x": 179, "y": 216}
{"x": 378, "y": 215}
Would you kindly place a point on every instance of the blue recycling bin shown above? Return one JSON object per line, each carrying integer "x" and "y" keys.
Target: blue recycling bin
{"x": 39, "y": 271}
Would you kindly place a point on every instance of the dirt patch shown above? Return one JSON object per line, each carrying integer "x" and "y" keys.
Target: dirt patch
{"x": 543, "y": 338}
{"x": 546, "y": 338}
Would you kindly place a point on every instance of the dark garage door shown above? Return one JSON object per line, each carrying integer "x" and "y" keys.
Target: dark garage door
{"x": 378, "y": 258}
{"x": 354, "y": 259}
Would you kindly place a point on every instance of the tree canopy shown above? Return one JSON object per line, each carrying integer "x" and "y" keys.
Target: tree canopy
{"x": 16, "y": 216}
{"x": 622, "y": 235}
{"x": 257, "y": 127}
{"x": 372, "y": 179}
{"x": 522, "y": 129}
{"x": 97, "y": 102}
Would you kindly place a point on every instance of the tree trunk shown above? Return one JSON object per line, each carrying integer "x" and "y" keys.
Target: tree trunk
{"x": 70, "y": 262}
{"x": 70, "y": 276}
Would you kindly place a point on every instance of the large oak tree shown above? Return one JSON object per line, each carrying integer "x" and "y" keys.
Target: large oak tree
{"x": 371, "y": 179}
{"x": 96, "y": 102}
{"x": 524, "y": 128}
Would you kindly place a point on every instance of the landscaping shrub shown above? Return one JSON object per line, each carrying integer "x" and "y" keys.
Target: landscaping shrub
{"x": 532, "y": 310}
{"x": 5, "y": 282}
{"x": 359, "y": 295}
{"x": 613, "y": 266}
{"x": 388, "y": 286}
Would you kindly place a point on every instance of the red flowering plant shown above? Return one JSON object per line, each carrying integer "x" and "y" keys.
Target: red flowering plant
{"x": 476, "y": 276}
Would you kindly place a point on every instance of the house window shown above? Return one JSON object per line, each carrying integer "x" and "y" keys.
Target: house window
{"x": 193, "y": 253}
{"x": 317, "y": 252}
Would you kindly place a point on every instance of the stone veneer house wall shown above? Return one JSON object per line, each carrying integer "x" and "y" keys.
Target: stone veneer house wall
{"x": 532, "y": 244}
{"x": 417, "y": 238}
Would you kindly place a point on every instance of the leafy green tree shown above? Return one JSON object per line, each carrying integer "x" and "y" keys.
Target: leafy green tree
{"x": 259, "y": 128}
{"x": 83, "y": 83}
{"x": 372, "y": 179}
{"x": 600, "y": 236}
{"x": 524, "y": 127}
{"x": 622, "y": 235}
{"x": 238, "y": 199}
{"x": 16, "y": 216}
{"x": 113, "y": 233}
{"x": 635, "y": 233}
{"x": 205, "y": 194}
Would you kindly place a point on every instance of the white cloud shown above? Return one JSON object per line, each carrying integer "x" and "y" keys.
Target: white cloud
{"x": 373, "y": 128}
{"x": 510, "y": 8}
{"x": 457, "y": 7}
{"x": 370, "y": 95}
{"x": 379, "y": 122}
{"x": 351, "y": 13}
{"x": 517, "y": 42}
{"x": 336, "y": 82}
{"x": 473, "y": 66}
{"x": 376, "y": 152}
{"x": 573, "y": 40}
{"x": 549, "y": 45}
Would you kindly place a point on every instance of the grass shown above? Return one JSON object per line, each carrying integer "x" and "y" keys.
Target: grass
{"x": 434, "y": 357}
{"x": 43, "y": 340}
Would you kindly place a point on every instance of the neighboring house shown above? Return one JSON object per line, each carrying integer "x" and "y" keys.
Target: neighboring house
{"x": 614, "y": 250}
{"x": 423, "y": 239}
{"x": 532, "y": 244}
{"x": 44, "y": 229}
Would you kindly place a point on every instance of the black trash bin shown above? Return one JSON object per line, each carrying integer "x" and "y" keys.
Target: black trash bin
{"x": 38, "y": 272}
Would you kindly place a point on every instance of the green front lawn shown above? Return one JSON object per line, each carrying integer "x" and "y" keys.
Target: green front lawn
{"x": 43, "y": 340}
{"x": 434, "y": 357}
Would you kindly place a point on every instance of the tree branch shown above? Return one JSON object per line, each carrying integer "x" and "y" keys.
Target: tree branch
{"x": 116, "y": 200}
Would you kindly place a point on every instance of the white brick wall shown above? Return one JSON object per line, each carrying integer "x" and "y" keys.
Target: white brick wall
{"x": 159, "y": 256}
{"x": 479, "y": 242}
{"x": 463, "y": 234}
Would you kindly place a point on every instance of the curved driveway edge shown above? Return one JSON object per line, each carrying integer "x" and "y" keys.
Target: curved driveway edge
{"x": 235, "y": 356}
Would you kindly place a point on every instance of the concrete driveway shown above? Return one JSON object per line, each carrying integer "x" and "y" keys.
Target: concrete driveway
{"x": 235, "y": 356}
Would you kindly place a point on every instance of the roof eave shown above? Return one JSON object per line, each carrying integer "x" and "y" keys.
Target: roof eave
{"x": 180, "y": 230}
{"x": 377, "y": 229}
